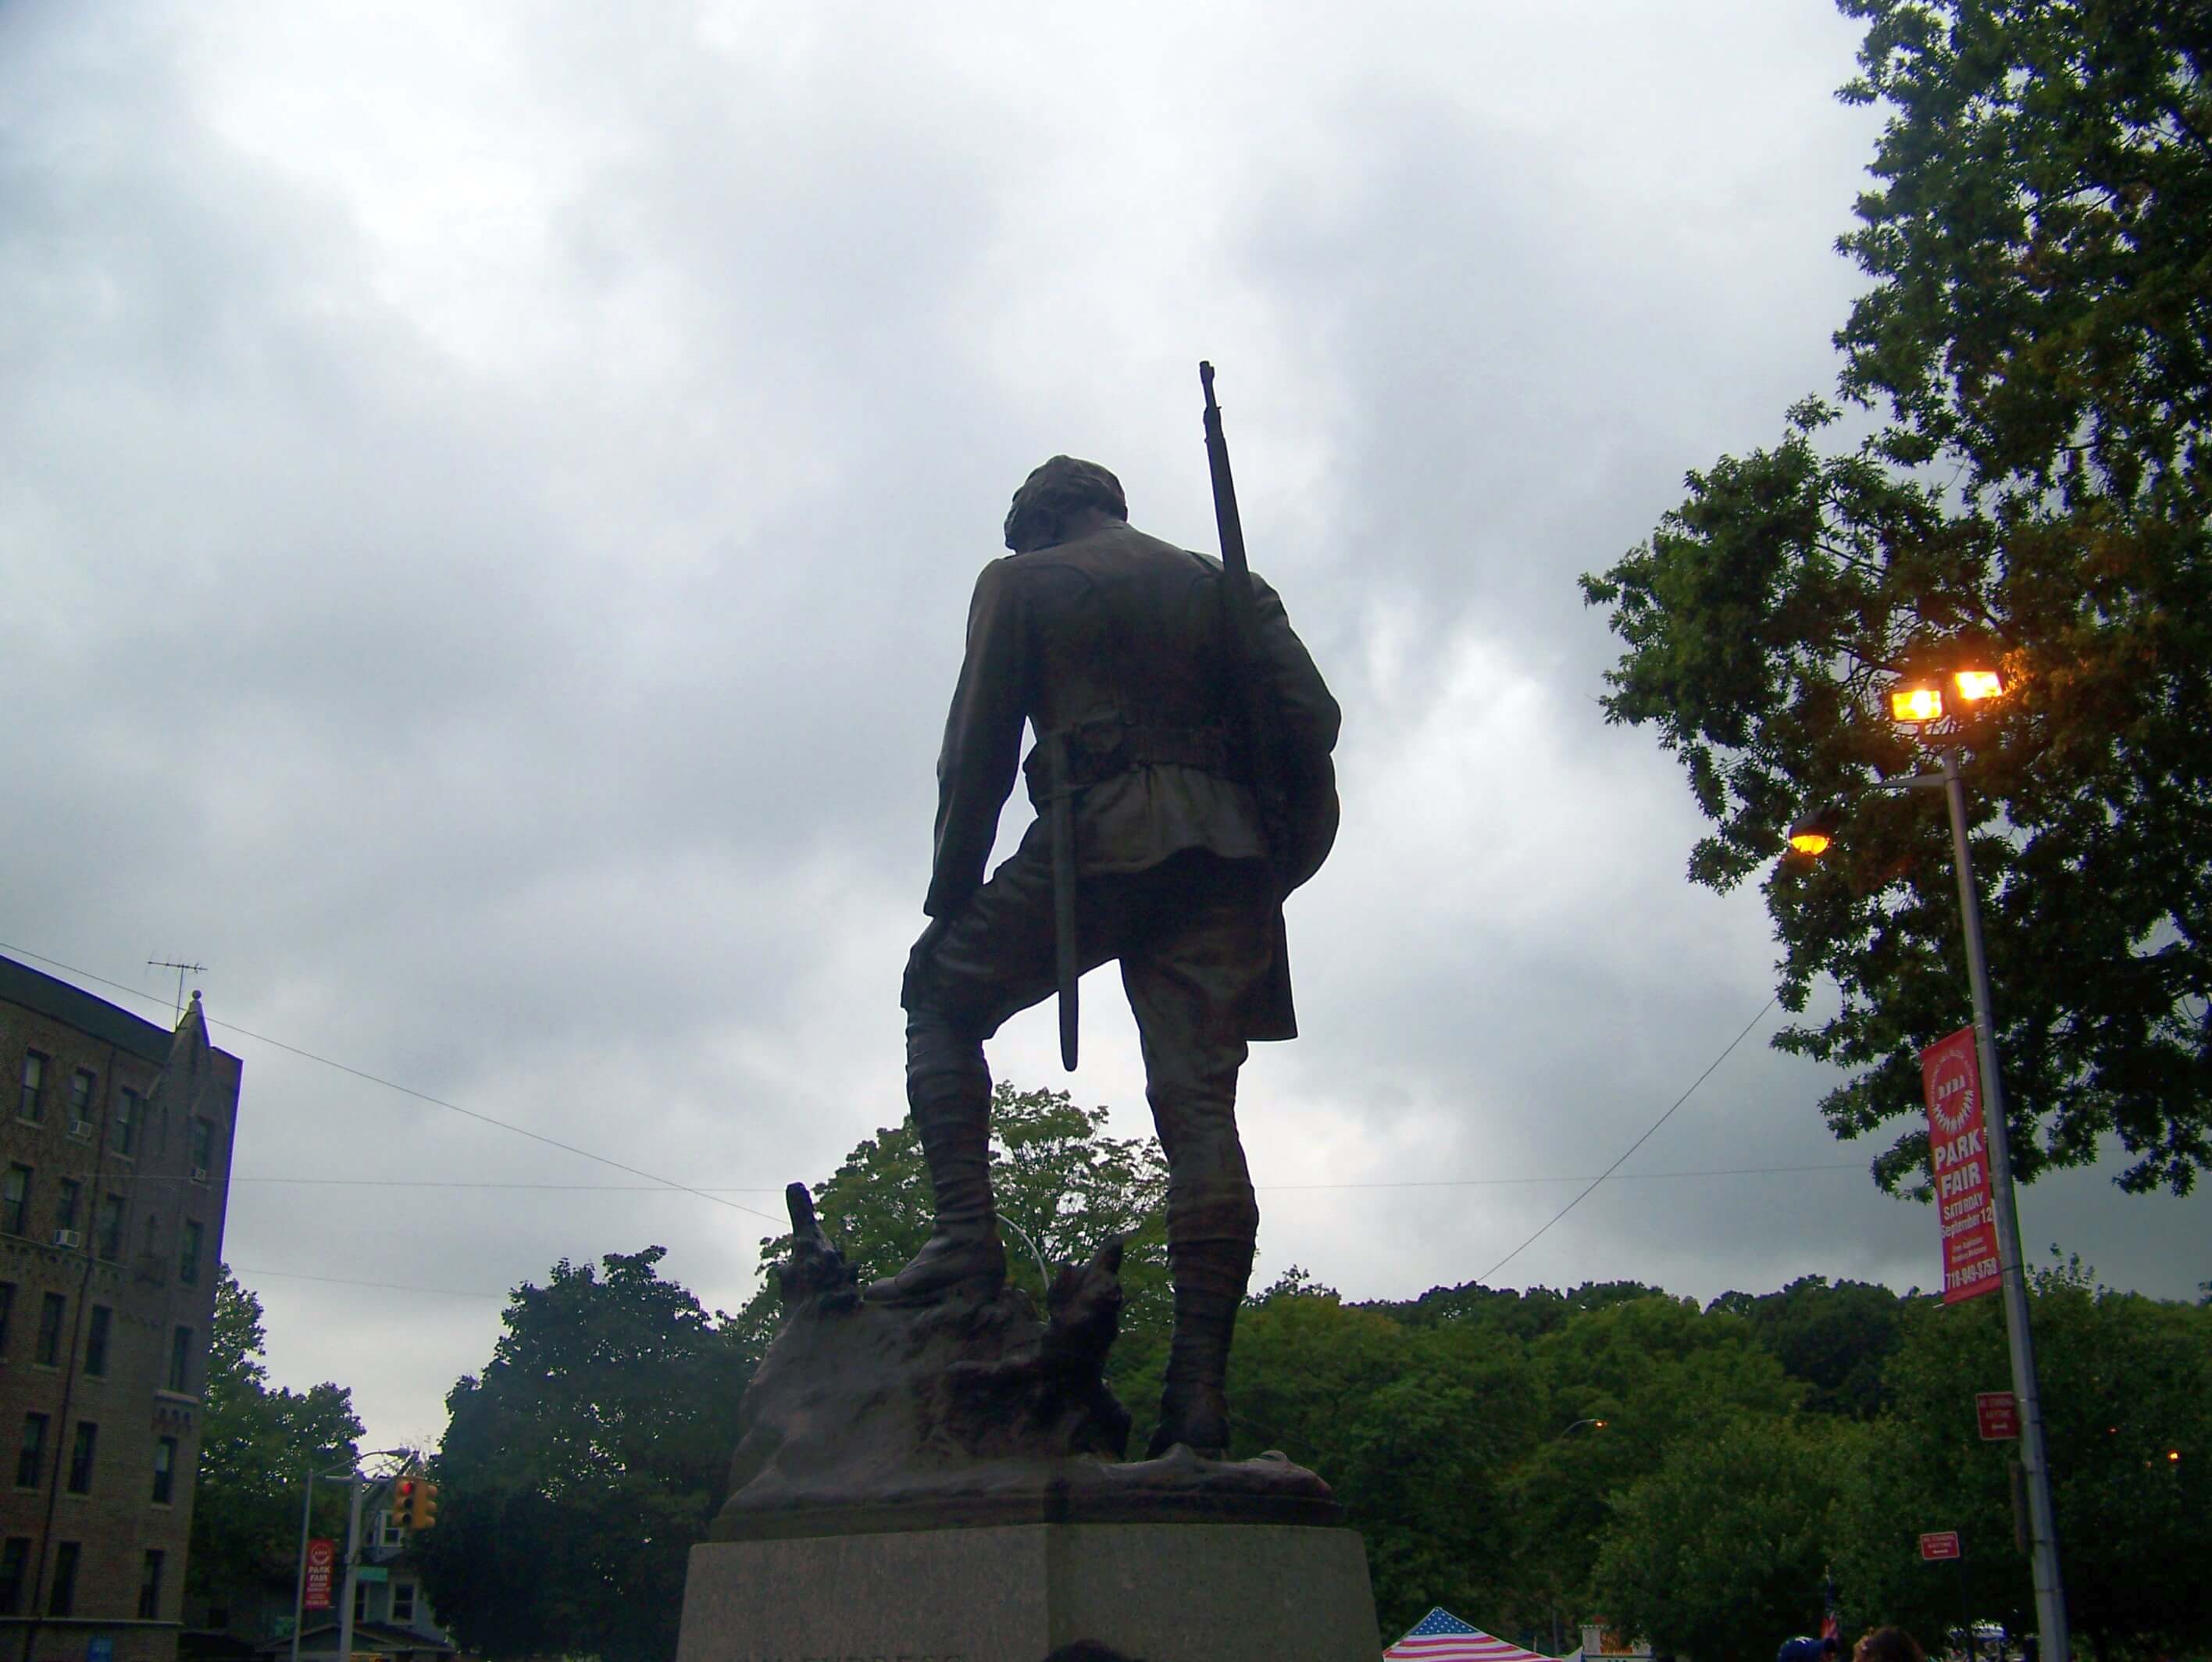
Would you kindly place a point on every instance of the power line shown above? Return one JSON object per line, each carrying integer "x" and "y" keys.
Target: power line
{"x": 1265, "y": 1188}
{"x": 1624, "y": 1177}
{"x": 1633, "y": 1147}
{"x": 422, "y": 1096}
{"x": 656, "y": 1183}
{"x": 336, "y": 1281}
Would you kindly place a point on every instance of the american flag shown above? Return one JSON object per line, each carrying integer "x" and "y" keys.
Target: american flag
{"x": 1440, "y": 1636}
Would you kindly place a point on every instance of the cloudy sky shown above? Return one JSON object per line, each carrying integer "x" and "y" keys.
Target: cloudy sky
{"x": 489, "y": 496}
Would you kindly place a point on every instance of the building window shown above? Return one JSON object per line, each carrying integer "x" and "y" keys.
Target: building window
{"x": 403, "y": 1603}
{"x": 65, "y": 1204}
{"x": 96, "y": 1342}
{"x": 63, "y": 1600}
{"x": 360, "y": 1602}
{"x": 31, "y": 1458}
{"x": 180, "y": 1358}
{"x": 15, "y": 1561}
{"x": 16, "y": 1201}
{"x": 7, "y": 1308}
{"x": 202, "y": 1147}
{"x": 128, "y": 1110}
{"x": 80, "y": 1453}
{"x": 111, "y": 1228}
{"x": 188, "y": 1254}
{"x": 32, "y": 1105}
{"x": 84, "y": 1085}
{"x": 149, "y": 1586}
{"x": 165, "y": 1470}
{"x": 48, "y": 1353}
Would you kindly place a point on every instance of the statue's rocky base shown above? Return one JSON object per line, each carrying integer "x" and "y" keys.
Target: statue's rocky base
{"x": 968, "y": 1411}
{"x": 1153, "y": 1592}
{"x": 946, "y": 1480}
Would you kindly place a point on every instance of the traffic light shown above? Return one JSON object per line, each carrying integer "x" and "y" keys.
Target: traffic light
{"x": 426, "y": 1505}
{"x": 406, "y": 1498}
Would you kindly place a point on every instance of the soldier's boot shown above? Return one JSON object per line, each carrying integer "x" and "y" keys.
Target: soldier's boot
{"x": 963, "y": 1253}
{"x": 1209, "y": 1286}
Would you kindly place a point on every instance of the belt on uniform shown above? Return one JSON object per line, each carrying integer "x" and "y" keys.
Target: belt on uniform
{"x": 1098, "y": 750}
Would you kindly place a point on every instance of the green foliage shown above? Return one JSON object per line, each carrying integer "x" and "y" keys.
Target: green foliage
{"x": 1723, "y": 1551}
{"x": 1835, "y": 1339}
{"x": 1504, "y": 1309}
{"x": 1058, "y": 1178}
{"x": 2126, "y": 1383}
{"x": 1416, "y": 1428}
{"x": 578, "y": 1471}
{"x": 257, "y": 1449}
{"x": 1657, "y": 1371}
{"x": 2040, "y": 337}
{"x": 1744, "y": 1449}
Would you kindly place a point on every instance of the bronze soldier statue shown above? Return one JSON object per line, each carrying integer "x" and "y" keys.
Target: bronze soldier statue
{"x": 1114, "y": 646}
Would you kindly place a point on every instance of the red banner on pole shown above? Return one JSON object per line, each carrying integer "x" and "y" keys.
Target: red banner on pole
{"x": 1959, "y": 1150}
{"x": 321, "y": 1557}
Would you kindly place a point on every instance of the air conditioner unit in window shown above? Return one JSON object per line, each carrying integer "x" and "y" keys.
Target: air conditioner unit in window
{"x": 81, "y": 1128}
{"x": 69, "y": 1240}
{"x": 199, "y": 1173}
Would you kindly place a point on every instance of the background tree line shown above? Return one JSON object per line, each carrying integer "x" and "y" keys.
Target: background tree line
{"x": 1749, "y": 1450}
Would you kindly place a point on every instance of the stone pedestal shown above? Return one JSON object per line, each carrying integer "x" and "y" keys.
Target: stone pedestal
{"x": 1161, "y": 1593}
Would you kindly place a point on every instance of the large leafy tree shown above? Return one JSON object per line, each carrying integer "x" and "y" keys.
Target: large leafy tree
{"x": 2037, "y": 351}
{"x": 580, "y": 1468}
{"x": 1056, "y": 1176}
{"x": 1417, "y": 1430}
{"x": 2127, "y": 1403}
{"x": 1657, "y": 1371}
{"x": 1835, "y": 1338}
{"x": 1723, "y": 1551}
{"x": 258, "y": 1447}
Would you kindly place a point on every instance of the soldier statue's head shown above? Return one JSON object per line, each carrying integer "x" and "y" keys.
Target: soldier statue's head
{"x": 1062, "y": 491}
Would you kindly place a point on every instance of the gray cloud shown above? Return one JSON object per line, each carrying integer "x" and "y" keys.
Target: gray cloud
{"x": 488, "y": 511}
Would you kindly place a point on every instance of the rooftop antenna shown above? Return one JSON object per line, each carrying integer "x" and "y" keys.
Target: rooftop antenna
{"x": 182, "y": 970}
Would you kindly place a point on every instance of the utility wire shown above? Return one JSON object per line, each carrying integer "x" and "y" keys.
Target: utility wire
{"x": 1634, "y": 1146}
{"x": 421, "y": 1096}
{"x": 1265, "y": 1188}
{"x": 656, "y": 1183}
{"x": 335, "y": 1280}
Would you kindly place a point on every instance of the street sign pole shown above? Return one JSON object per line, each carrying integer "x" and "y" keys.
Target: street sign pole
{"x": 2049, "y": 1595}
{"x": 353, "y": 1543}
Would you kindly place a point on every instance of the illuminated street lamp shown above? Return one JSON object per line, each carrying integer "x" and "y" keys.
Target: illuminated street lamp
{"x": 1917, "y": 703}
{"x": 1926, "y": 708}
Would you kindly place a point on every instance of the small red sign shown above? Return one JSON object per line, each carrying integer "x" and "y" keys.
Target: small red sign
{"x": 1997, "y": 1414}
{"x": 1959, "y": 1154}
{"x": 322, "y": 1555}
{"x": 1943, "y": 1543}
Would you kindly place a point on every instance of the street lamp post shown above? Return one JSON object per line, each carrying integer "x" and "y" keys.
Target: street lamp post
{"x": 1912, "y": 706}
{"x": 2050, "y": 1593}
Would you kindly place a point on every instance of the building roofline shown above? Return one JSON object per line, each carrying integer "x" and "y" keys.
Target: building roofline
{"x": 34, "y": 989}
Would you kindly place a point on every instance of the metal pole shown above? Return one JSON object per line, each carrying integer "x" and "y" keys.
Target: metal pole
{"x": 2050, "y": 1593}
{"x": 300, "y": 1583}
{"x": 353, "y": 1537}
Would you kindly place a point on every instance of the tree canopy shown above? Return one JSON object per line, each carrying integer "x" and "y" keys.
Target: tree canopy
{"x": 257, "y": 1447}
{"x": 1059, "y": 1179}
{"x": 2037, "y": 350}
{"x": 579, "y": 1470}
{"x": 1533, "y": 1460}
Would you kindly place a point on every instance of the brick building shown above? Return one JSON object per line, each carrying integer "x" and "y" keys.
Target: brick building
{"x": 115, "y": 1141}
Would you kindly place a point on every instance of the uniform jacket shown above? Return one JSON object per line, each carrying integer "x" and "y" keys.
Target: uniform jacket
{"x": 1120, "y": 632}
